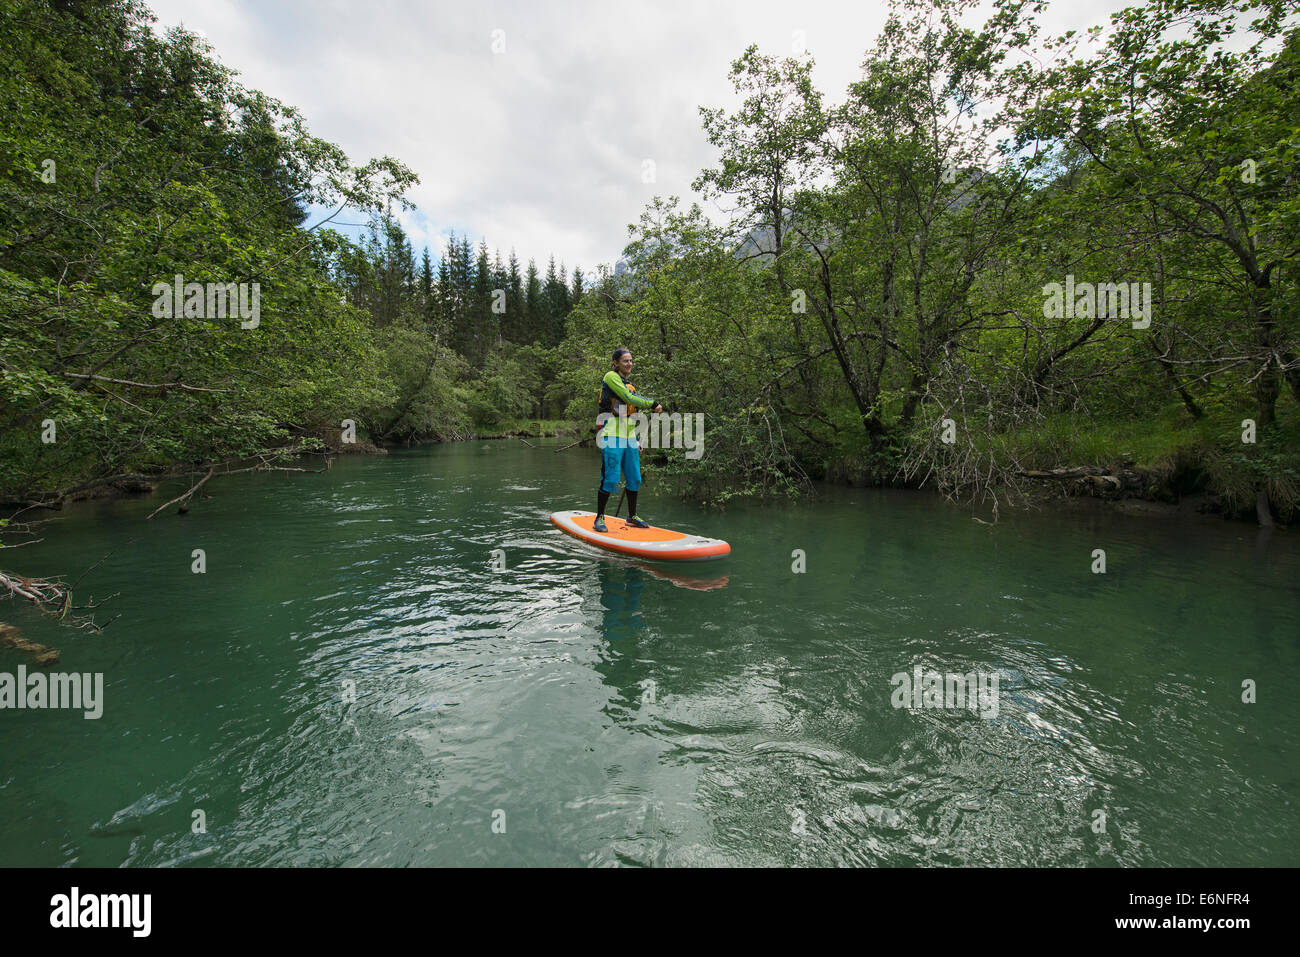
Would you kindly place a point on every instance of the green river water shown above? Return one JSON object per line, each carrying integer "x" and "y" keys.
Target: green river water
{"x": 352, "y": 682}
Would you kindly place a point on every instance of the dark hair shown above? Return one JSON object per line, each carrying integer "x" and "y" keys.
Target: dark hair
{"x": 620, "y": 353}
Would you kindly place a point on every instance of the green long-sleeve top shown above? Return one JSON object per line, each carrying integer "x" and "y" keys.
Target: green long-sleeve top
{"x": 625, "y": 395}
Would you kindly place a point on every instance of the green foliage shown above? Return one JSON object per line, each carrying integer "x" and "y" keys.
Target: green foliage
{"x": 504, "y": 389}
{"x": 921, "y": 250}
{"x": 425, "y": 400}
{"x": 885, "y": 269}
{"x": 159, "y": 164}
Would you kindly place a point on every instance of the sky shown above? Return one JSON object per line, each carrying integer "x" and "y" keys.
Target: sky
{"x": 530, "y": 124}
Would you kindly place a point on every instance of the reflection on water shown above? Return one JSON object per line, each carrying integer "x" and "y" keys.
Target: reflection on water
{"x": 620, "y": 597}
{"x": 683, "y": 578}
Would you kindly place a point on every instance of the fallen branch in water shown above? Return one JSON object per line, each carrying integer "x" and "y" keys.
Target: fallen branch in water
{"x": 1083, "y": 471}
{"x": 42, "y": 655}
{"x": 1105, "y": 480}
{"x": 262, "y": 466}
{"x": 137, "y": 482}
{"x": 184, "y": 495}
{"x": 53, "y": 597}
{"x": 39, "y": 590}
{"x": 572, "y": 444}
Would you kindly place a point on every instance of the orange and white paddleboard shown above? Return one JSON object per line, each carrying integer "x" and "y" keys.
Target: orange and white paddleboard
{"x": 662, "y": 544}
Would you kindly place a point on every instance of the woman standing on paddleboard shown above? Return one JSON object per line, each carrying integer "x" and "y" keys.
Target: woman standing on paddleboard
{"x": 617, "y": 439}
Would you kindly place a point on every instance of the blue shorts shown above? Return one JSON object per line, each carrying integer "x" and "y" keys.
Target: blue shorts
{"x": 617, "y": 455}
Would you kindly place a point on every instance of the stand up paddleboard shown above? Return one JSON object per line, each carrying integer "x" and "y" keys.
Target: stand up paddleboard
{"x": 661, "y": 544}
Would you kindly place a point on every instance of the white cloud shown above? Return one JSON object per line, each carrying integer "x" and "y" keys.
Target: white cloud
{"x": 539, "y": 147}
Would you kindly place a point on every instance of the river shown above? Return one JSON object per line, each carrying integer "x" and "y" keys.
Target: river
{"x": 355, "y": 680}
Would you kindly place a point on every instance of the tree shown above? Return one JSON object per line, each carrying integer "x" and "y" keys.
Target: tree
{"x": 485, "y": 322}
{"x": 1201, "y": 139}
{"x": 515, "y": 321}
{"x": 428, "y": 301}
{"x": 536, "y": 307}
{"x": 162, "y": 166}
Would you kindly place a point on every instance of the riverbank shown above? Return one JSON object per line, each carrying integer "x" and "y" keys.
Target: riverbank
{"x": 1219, "y": 462}
{"x": 1122, "y": 489}
{"x": 530, "y": 429}
{"x": 1167, "y": 465}
{"x": 1174, "y": 469}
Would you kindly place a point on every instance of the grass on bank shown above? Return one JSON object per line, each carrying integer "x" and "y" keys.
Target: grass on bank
{"x": 1184, "y": 453}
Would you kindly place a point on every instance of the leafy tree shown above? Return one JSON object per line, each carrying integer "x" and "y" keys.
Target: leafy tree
{"x": 1200, "y": 139}
{"x": 160, "y": 164}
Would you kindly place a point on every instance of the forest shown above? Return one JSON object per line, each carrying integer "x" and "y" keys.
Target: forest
{"x": 978, "y": 269}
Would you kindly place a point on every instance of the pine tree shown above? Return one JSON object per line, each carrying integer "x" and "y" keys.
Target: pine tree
{"x": 534, "y": 305}
{"x": 448, "y": 290}
{"x": 461, "y": 295}
{"x": 443, "y": 295}
{"x": 551, "y": 314}
{"x": 576, "y": 291}
{"x": 555, "y": 294}
{"x": 498, "y": 282}
{"x": 393, "y": 281}
{"x": 516, "y": 320}
{"x": 428, "y": 304}
{"x": 485, "y": 333}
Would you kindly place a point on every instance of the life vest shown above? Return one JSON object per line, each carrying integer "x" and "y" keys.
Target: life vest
{"x": 610, "y": 403}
